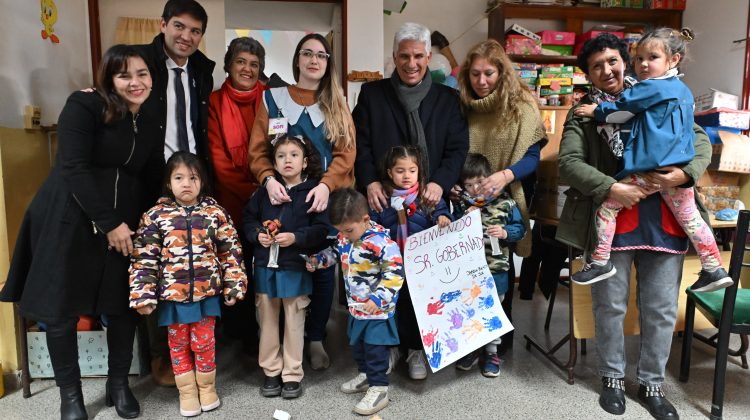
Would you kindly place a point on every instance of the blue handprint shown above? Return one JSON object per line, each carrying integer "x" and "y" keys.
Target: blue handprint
{"x": 436, "y": 355}
{"x": 470, "y": 312}
{"x": 450, "y": 296}
{"x": 486, "y": 302}
{"x": 493, "y": 323}
{"x": 489, "y": 283}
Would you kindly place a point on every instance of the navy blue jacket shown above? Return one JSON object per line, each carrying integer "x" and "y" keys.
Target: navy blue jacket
{"x": 381, "y": 123}
{"x": 417, "y": 222}
{"x": 310, "y": 229}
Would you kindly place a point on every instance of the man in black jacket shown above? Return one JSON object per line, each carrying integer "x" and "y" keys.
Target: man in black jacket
{"x": 176, "y": 66}
{"x": 408, "y": 109}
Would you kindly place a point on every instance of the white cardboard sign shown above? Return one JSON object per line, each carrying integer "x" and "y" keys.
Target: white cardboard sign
{"x": 451, "y": 287}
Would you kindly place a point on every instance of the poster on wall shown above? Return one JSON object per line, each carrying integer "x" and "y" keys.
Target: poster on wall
{"x": 49, "y": 18}
{"x": 451, "y": 287}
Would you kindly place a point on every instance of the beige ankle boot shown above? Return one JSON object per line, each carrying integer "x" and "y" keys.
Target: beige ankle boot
{"x": 189, "y": 403}
{"x": 207, "y": 390}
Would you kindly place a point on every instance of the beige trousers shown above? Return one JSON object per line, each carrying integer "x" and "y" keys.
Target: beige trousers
{"x": 273, "y": 358}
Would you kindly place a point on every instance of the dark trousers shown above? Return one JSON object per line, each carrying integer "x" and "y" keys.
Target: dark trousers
{"x": 62, "y": 343}
{"x": 320, "y": 303}
{"x": 372, "y": 359}
{"x": 547, "y": 257}
{"x": 157, "y": 337}
{"x": 406, "y": 320}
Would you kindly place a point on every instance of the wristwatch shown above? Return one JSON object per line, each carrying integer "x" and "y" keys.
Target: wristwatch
{"x": 265, "y": 180}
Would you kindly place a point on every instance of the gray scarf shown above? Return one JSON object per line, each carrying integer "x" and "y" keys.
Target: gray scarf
{"x": 411, "y": 98}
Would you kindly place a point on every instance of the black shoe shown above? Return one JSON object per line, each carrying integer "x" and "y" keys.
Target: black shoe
{"x": 658, "y": 406}
{"x": 592, "y": 273}
{"x": 71, "y": 403}
{"x": 118, "y": 394}
{"x": 612, "y": 397}
{"x": 271, "y": 386}
{"x": 710, "y": 281}
{"x": 291, "y": 390}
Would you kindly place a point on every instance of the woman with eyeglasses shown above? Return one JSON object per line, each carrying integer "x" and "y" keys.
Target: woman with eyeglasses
{"x": 316, "y": 109}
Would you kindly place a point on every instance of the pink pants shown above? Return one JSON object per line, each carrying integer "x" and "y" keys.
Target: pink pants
{"x": 192, "y": 346}
{"x": 681, "y": 201}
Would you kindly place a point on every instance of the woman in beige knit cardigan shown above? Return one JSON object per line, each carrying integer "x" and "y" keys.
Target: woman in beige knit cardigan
{"x": 505, "y": 126}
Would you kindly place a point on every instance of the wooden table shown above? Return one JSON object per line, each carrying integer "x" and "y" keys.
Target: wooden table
{"x": 724, "y": 229}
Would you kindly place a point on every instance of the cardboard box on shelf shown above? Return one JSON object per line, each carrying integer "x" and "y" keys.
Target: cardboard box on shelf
{"x": 563, "y": 90}
{"x": 557, "y": 49}
{"x": 527, "y": 73}
{"x": 553, "y": 81}
{"x": 717, "y": 178}
{"x": 723, "y": 117}
{"x": 713, "y": 132}
{"x": 557, "y": 37}
{"x": 520, "y": 30}
{"x": 558, "y": 69}
{"x": 522, "y": 45}
{"x": 632, "y": 4}
{"x": 590, "y": 35}
{"x": 731, "y": 154}
{"x": 716, "y": 99}
{"x": 667, "y": 4}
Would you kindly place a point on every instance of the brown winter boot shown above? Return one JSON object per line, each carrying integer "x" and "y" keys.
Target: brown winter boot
{"x": 190, "y": 405}
{"x": 161, "y": 371}
{"x": 207, "y": 390}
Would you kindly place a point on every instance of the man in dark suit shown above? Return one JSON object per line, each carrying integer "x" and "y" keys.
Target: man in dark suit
{"x": 408, "y": 109}
{"x": 176, "y": 114}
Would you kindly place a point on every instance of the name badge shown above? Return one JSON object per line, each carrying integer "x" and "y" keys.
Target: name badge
{"x": 277, "y": 126}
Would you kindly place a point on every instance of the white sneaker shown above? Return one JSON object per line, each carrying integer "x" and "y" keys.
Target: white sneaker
{"x": 355, "y": 385}
{"x": 393, "y": 359}
{"x": 375, "y": 400}
{"x": 416, "y": 361}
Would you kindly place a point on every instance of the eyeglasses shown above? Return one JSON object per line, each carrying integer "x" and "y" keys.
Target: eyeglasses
{"x": 321, "y": 55}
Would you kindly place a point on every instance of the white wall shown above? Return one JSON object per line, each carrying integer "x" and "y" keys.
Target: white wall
{"x": 36, "y": 71}
{"x": 364, "y": 40}
{"x": 110, "y": 10}
{"x": 713, "y": 60}
{"x": 449, "y": 17}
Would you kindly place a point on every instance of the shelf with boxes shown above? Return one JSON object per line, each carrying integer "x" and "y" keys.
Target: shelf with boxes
{"x": 573, "y": 18}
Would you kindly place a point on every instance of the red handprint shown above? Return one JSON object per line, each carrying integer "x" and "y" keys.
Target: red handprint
{"x": 428, "y": 338}
{"x": 435, "y": 308}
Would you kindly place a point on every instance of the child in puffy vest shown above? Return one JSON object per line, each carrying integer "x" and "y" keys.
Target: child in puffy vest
{"x": 502, "y": 224}
{"x": 373, "y": 271}
{"x": 187, "y": 256}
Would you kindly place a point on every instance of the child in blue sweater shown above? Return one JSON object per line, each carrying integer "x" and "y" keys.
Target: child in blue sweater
{"x": 661, "y": 135}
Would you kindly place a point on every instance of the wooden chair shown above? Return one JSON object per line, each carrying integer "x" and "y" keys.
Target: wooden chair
{"x": 729, "y": 311}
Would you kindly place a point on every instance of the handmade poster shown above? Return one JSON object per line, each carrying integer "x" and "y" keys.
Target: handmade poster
{"x": 452, "y": 290}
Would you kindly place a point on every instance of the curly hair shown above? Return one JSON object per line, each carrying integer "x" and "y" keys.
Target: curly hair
{"x": 510, "y": 88}
{"x": 599, "y": 44}
{"x": 314, "y": 169}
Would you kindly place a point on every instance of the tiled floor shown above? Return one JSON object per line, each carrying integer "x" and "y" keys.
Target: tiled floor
{"x": 528, "y": 388}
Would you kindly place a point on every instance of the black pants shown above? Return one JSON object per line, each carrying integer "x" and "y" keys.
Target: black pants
{"x": 548, "y": 254}
{"x": 372, "y": 359}
{"x": 321, "y": 300}
{"x": 408, "y": 328}
{"x": 62, "y": 343}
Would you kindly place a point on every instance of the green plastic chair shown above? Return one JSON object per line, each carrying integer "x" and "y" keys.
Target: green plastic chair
{"x": 717, "y": 306}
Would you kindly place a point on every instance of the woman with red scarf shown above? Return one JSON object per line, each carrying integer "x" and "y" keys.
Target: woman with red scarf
{"x": 231, "y": 113}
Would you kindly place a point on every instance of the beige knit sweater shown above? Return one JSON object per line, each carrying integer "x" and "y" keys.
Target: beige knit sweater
{"x": 504, "y": 145}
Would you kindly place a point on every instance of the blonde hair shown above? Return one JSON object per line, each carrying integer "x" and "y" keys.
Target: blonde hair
{"x": 338, "y": 120}
{"x": 510, "y": 89}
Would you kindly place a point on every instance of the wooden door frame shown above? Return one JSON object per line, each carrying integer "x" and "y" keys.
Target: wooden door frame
{"x": 745, "y": 104}
{"x": 95, "y": 35}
